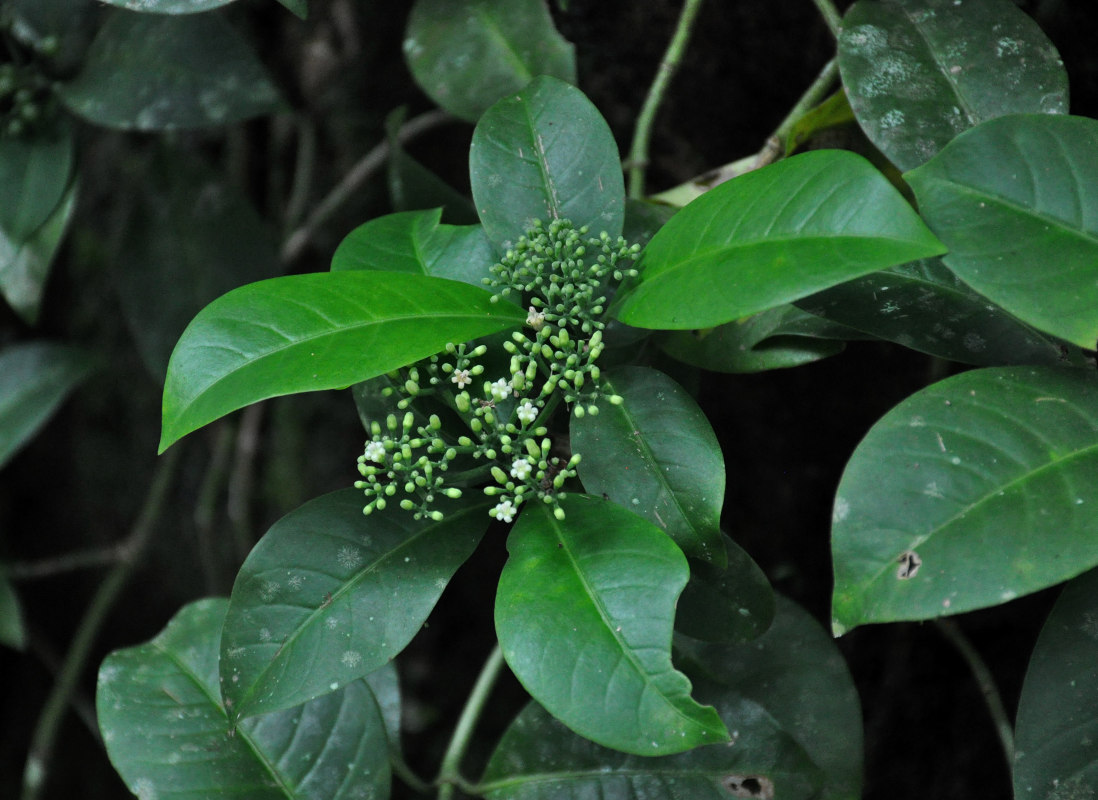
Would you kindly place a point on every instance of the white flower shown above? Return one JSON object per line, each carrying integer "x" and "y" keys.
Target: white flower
{"x": 535, "y": 319}
{"x": 501, "y": 389}
{"x": 520, "y": 469}
{"x": 527, "y": 412}
{"x": 504, "y": 511}
{"x": 460, "y": 377}
{"x": 375, "y": 451}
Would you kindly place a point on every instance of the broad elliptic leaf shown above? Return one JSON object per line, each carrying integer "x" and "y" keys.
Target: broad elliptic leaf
{"x": 584, "y": 614}
{"x": 25, "y": 266}
{"x": 730, "y": 604}
{"x": 797, "y": 674}
{"x": 467, "y": 54}
{"x": 544, "y": 154}
{"x": 540, "y": 759}
{"x": 303, "y": 333}
{"x": 34, "y": 379}
{"x": 35, "y": 172}
{"x": 778, "y": 338}
{"x": 773, "y": 236}
{"x": 12, "y": 631}
{"x": 1016, "y": 202}
{"x": 169, "y": 736}
{"x": 1057, "y": 725}
{"x": 970, "y": 493}
{"x": 918, "y": 72}
{"x": 168, "y": 6}
{"x": 924, "y": 306}
{"x": 152, "y": 72}
{"x": 414, "y": 241}
{"x": 656, "y": 454}
{"x": 330, "y": 594}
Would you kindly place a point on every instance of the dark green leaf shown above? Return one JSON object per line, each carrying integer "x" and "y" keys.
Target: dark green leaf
{"x": 329, "y": 595}
{"x": 321, "y": 331}
{"x": 1016, "y": 202}
{"x": 970, "y": 493}
{"x": 771, "y": 237}
{"x": 543, "y": 154}
{"x": 59, "y": 30}
{"x": 152, "y": 72}
{"x": 412, "y": 186}
{"x": 25, "y": 266}
{"x": 918, "y": 72}
{"x": 300, "y": 8}
{"x": 35, "y": 173}
{"x": 168, "y": 6}
{"x": 1055, "y": 756}
{"x": 12, "y": 631}
{"x": 168, "y": 735}
{"x": 656, "y": 455}
{"x": 584, "y": 614}
{"x": 34, "y": 379}
{"x": 385, "y": 684}
{"x": 733, "y": 604}
{"x": 467, "y": 54}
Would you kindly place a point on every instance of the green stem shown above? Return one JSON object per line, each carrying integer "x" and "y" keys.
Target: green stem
{"x": 986, "y": 682}
{"x": 638, "y": 152}
{"x": 49, "y": 721}
{"x": 405, "y": 773}
{"x": 449, "y": 774}
{"x": 812, "y": 97}
{"x": 831, "y": 16}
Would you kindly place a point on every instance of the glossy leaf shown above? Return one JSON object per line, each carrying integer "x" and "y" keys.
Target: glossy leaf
{"x": 168, "y": 735}
{"x": 329, "y": 595}
{"x": 168, "y": 6}
{"x": 773, "y": 236}
{"x": 797, "y": 674}
{"x": 34, "y": 379}
{"x": 1016, "y": 202}
{"x": 730, "y": 604}
{"x": 12, "y": 631}
{"x": 780, "y": 337}
{"x": 918, "y": 72}
{"x": 385, "y": 685}
{"x": 152, "y": 72}
{"x": 414, "y": 241}
{"x": 25, "y": 265}
{"x": 543, "y": 154}
{"x": 1057, "y": 723}
{"x": 584, "y": 613}
{"x": 656, "y": 455}
{"x": 467, "y": 54}
{"x": 35, "y": 173}
{"x": 922, "y": 305}
{"x": 540, "y": 759}
{"x": 970, "y": 493}
{"x": 320, "y": 331}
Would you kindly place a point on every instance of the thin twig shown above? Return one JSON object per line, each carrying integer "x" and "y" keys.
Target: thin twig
{"x": 831, "y": 16}
{"x": 242, "y": 477}
{"x": 449, "y": 774}
{"x": 67, "y": 562}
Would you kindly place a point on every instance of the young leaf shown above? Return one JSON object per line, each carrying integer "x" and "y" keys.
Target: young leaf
{"x": 1058, "y": 710}
{"x": 168, "y": 735}
{"x": 656, "y": 455}
{"x": 918, "y": 73}
{"x": 35, "y": 172}
{"x": 152, "y": 72}
{"x": 168, "y": 6}
{"x": 971, "y": 492}
{"x": 329, "y": 595}
{"x": 730, "y": 604}
{"x": 25, "y": 265}
{"x": 584, "y": 614}
{"x": 773, "y": 236}
{"x": 34, "y": 380}
{"x": 467, "y": 54}
{"x": 1016, "y": 202}
{"x": 302, "y": 333}
{"x": 545, "y": 153}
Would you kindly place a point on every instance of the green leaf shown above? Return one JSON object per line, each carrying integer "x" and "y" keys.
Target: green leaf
{"x": 299, "y": 8}
{"x": 35, "y": 172}
{"x": 34, "y": 379}
{"x": 540, "y": 759}
{"x": 168, "y": 735}
{"x": 834, "y": 112}
{"x": 1055, "y": 757}
{"x": 545, "y": 153}
{"x": 25, "y": 266}
{"x": 12, "y": 631}
{"x": 730, "y": 604}
{"x": 303, "y": 333}
{"x": 168, "y": 6}
{"x": 922, "y": 305}
{"x": 152, "y": 72}
{"x": 797, "y": 674}
{"x": 467, "y": 54}
{"x": 656, "y": 455}
{"x": 918, "y": 72}
{"x": 584, "y": 613}
{"x": 385, "y": 685}
{"x": 778, "y": 338}
{"x": 970, "y": 493}
{"x": 329, "y": 595}
{"x": 773, "y": 236}
{"x": 414, "y": 241}
{"x": 1016, "y": 202}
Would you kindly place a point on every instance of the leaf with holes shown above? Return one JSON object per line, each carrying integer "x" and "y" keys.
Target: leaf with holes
{"x": 971, "y": 492}
{"x": 168, "y": 735}
{"x": 329, "y": 595}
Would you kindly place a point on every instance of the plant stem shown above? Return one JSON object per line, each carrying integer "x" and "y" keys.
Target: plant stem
{"x": 638, "y": 152}
{"x": 49, "y": 721}
{"x": 986, "y": 682}
{"x": 449, "y": 774}
{"x": 812, "y": 97}
{"x": 831, "y": 16}
{"x": 67, "y": 562}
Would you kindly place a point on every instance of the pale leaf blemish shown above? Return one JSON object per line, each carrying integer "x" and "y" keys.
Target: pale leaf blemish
{"x": 841, "y": 511}
{"x": 909, "y": 562}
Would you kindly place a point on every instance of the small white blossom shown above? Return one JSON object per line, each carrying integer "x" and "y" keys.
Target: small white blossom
{"x": 500, "y": 390}
{"x": 520, "y": 469}
{"x": 460, "y": 377}
{"x": 375, "y": 451}
{"x": 535, "y": 319}
{"x": 527, "y": 412}
{"x": 504, "y": 511}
